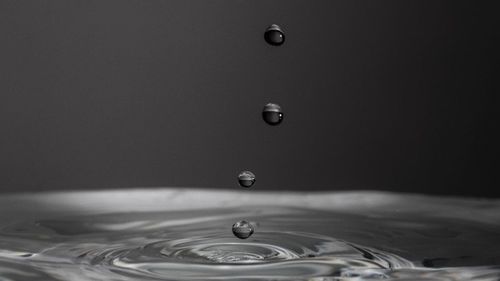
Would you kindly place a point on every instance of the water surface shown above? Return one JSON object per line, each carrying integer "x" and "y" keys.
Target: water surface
{"x": 185, "y": 234}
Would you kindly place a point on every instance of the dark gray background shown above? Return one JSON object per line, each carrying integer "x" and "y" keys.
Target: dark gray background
{"x": 394, "y": 95}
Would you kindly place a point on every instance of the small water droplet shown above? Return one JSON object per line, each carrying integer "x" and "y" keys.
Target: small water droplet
{"x": 246, "y": 179}
{"x": 272, "y": 114}
{"x": 274, "y": 35}
{"x": 242, "y": 229}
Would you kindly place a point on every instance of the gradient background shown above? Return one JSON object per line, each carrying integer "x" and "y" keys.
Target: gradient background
{"x": 390, "y": 95}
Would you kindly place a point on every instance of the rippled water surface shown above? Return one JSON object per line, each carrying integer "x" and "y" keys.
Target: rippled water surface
{"x": 185, "y": 234}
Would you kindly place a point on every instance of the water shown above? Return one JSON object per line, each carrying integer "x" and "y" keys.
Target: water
{"x": 272, "y": 114}
{"x": 242, "y": 229}
{"x": 246, "y": 179}
{"x": 183, "y": 234}
{"x": 274, "y": 35}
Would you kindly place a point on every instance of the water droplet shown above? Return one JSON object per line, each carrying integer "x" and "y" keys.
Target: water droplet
{"x": 242, "y": 229}
{"x": 272, "y": 114}
{"x": 274, "y": 35}
{"x": 246, "y": 179}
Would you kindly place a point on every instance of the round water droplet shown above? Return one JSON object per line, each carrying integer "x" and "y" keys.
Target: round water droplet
{"x": 242, "y": 229}
{"x": 246, "y": 179}
{"x": 274, "y": 35}
{"x": 272, "y": 114}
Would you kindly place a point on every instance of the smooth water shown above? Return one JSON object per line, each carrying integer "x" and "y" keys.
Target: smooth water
{"x": 185, "y": 234}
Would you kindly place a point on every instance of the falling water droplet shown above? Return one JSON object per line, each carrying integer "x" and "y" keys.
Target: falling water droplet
{"x": 274, "y": 35}
{"x": 246, "y": 179}
{"x": 242, "y": 229}
{"x": 272, "y": 114}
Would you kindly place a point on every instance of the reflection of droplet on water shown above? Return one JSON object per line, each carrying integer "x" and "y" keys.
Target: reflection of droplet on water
{"x": 246, "y": 179}
{"x": 274, "y": 35}
{"x": 242, "y": 229}
{"x": 272, "y": 114}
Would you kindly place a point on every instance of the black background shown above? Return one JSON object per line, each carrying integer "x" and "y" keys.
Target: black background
{"x": 392, "y": 95}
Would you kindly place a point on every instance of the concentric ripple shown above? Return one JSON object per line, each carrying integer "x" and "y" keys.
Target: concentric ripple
{"x": 231, "y": 253}
{"x": 219, "y": 256}
{"x": 289, "y": 243}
